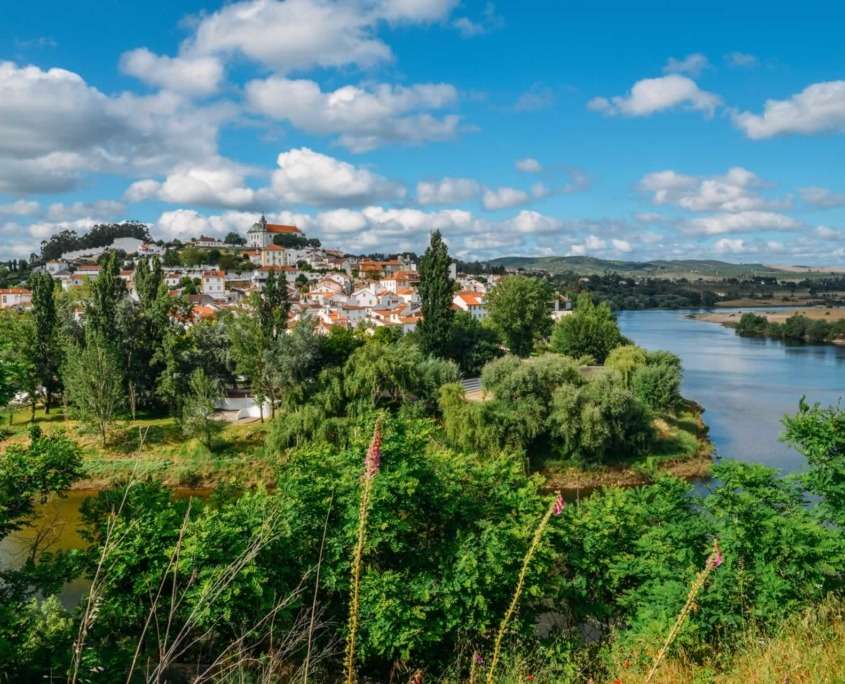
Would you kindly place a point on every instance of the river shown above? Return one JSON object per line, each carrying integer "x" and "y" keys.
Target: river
{"x": 745, "y": 385}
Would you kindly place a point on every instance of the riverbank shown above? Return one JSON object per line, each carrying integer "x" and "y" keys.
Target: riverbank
{"x": 829, "y": 314}
{"x": 155, "y": 448}
{"x": 683, "y": 449}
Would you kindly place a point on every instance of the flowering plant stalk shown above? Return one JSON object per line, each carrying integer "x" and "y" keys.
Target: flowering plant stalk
{"x": 372, "y": 462}
{"x": 714, "y": 560}
{"x": 555, "y": 508}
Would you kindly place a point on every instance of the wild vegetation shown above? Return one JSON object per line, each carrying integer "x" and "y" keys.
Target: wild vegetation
{"x": 796, "y": 328}
{"x": 400, "y": 530}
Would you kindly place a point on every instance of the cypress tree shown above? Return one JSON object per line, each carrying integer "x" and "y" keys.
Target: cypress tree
{"x": 436, "y": 294}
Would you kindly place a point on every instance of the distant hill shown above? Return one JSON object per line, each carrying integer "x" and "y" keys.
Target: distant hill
{"x": 687, "y": 268}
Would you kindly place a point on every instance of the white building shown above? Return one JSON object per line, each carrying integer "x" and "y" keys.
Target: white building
{"x": 261, "y": 234}
{"x": 15, "y": 297}
{"x": 214, "y": 284}
{"x": 471, "y": 302}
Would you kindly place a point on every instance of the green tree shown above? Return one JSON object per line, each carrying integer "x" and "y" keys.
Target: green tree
{"x": 107, "y": 291}
{"x": 45, "y": 352}
{"x": 519, "y": 310}
{"x": 18, "y": 337}
{"x": 472, "y": 344}
{"x": 819, "y": 434}
{"x": 435, "y": 289}
{"x": 626, "y": 359}
{"x": 274, "y": 306}
{"x": 590, "y": 330}
{"x": 233, "y": 238}
{"x": 199, "y": 408}
{"x": 93, "y": 381}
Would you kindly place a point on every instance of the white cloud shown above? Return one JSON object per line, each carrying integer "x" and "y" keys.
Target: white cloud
{"x": 734, "y": 191}
{"x": 529, "y": 165}
{"x": 533, "y": 222}
{"x": 54, "y": 127}
{"x": 189, "y": 75}
{"x": 218, "y": 183}
{"x": 308, "y": 177}
{"x": 142, "y": 190}
{"x": 362, "y": 118}
{"x": 827, "y": 233}
{"x": 622, "y": 245}
{"x": 693, "y": 64}
{"x": 730, "y": 246}
{"x": 447, "y": 190}
{"x": 20, "y": 208}
{"x": 59, "y": 211}
{"x": 740, "y": 222}
{"x": 503, "y": 198}
{"x": 297, "y": 35}
{"x": 819, "y": 108}
{"x": 822, "y": 197}
{"x": 652, "y": 95}
{"x": 741, "y": 59}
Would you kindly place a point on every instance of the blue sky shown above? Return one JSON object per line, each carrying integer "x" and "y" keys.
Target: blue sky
{"x": 618, "y": 130}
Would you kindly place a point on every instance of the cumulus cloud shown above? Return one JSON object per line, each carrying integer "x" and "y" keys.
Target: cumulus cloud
{"x": 652, "y": 95}
{"x": 828, "y": 233}
{"x": 693, "y": 64}
{"x": 447, "y": 190}
{"x": 54, "y": 127}
{"x": 20, "y": 208}
{"x": 218, "y": 183}
{"x": 308, "y": 177}
{"x": 189, "y": 75}
{"x": 737, "y": 190}
{"x": 296, "y": 35}
{"x": 730, "y": 246}
{"x": 529, "y": 165}
{"x": 503, "y": 198}
{"x": 822, "y": 197}
{"x": 819, "y": 108}
{"x": 740, "y": 222}
{"x": 362, "y": 118}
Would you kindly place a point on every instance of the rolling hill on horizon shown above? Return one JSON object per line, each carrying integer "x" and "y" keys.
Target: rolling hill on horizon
{"x": 659, "y": 268}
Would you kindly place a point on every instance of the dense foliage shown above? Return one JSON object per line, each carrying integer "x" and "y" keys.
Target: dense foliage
{"x": 796, "y": 328}
{"x": 100, "y": 235}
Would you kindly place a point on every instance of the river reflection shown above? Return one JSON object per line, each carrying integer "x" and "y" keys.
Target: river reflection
{"x": 746, "y": 385}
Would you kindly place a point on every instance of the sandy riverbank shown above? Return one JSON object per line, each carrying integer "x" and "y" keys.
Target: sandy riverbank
{"x": 829, "y": 314}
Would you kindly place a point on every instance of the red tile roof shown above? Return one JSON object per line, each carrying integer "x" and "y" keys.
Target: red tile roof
{"x": 280, "y": 230}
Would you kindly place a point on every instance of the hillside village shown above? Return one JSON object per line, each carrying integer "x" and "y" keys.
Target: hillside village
{"x": 326, "y": 285}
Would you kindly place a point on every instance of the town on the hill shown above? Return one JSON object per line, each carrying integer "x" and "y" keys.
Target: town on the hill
{"x": 327, "y": 286}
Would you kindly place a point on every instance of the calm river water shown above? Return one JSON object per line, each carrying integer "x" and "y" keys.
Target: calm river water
{"x": 744, "y": 384}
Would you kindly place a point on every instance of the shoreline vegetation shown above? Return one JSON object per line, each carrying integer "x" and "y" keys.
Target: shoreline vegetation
{"x": 816, "y": 325}
{"x": 682, "y": 448}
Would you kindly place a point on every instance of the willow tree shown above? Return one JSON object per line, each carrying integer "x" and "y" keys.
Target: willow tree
{"x": 436, "y": 290}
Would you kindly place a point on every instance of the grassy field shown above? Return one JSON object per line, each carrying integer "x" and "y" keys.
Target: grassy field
{"x": 682, "y": 448}
{"x": 156, "y": 447}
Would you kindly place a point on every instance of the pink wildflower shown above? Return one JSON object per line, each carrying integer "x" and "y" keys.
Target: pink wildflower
{"x": 373, "y": 459}
{"x": 559, "y": 504}
{"x": 479, "y": 660}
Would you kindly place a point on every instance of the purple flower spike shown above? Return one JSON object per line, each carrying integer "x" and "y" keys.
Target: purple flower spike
{"x": 373, "y": 459}
{"x": 560, "y": 504}
{"x": 478, "y": 659}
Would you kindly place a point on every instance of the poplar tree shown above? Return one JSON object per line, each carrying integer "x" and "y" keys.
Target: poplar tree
{"x": 435, "y": 290}
{"x": 45, "y": 351}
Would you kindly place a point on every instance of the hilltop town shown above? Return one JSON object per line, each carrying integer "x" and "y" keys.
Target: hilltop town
{"x": 327, "y": 286}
